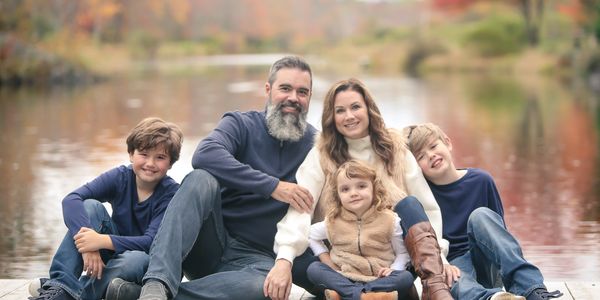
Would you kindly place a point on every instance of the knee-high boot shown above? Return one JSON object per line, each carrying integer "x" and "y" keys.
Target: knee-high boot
{"x": 424, "y": 252}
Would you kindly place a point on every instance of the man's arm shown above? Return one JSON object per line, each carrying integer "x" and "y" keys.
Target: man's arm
{"x": 216, "y": 154}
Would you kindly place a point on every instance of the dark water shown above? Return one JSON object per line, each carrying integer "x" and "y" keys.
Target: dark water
{"x": 539, "y": 139}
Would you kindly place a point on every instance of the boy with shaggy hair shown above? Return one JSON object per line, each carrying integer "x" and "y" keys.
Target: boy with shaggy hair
{"x": 106, "y": 247}
{"x": 480, "y": 244}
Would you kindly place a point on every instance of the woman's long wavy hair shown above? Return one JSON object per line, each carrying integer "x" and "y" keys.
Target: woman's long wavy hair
{"x": 357, "y": 169}
{"x": 333, "y": 143}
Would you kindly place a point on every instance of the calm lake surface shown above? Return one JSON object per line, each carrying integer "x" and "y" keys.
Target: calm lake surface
{"x": 539, "y": 139}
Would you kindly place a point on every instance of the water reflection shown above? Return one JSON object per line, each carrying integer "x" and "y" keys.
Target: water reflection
{"x": 539, "y": 140}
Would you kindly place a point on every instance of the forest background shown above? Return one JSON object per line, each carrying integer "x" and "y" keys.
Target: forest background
{"x": 67, "y": 41}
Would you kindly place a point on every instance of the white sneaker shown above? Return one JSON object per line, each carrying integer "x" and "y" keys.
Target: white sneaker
{"x": 506, "y": 296}
{"x": 35, "y": 286}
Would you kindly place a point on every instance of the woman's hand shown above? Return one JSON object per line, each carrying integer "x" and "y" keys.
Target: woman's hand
{"x": 452, "y": 274}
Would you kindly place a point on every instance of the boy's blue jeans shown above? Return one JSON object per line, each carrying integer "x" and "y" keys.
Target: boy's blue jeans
{"x": 192, "y": 240}
{"x": 494, "y": 254}
{"x": 67, "y": 264}
{"x": 327, "y": 278}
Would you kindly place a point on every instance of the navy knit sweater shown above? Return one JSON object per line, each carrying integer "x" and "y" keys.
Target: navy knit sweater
{"x": 248, "y": 163}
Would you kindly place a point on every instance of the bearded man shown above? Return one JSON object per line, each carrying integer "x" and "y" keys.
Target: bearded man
{"x": 220, "y": 226}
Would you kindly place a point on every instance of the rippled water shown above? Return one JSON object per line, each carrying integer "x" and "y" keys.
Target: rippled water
{"x": 539, "y": 139}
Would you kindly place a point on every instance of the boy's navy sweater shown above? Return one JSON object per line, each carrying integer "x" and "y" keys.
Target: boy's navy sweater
{"x": 248, "y": 164}
{"x": 458, "y": 200}
{"x": 137, "y": 223}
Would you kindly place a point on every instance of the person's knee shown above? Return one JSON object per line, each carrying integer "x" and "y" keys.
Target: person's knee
{"x": 408, "y": 203}
{"x": 93, "y": 206}
{"x": 480, "y": 215}
{"x": 201, "y": 180}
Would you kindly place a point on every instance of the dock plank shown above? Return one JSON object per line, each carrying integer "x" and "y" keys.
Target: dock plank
{"x": 16, "y": 289}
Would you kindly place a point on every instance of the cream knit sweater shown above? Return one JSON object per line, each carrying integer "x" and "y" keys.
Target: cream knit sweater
{"x": 293, "y": 230}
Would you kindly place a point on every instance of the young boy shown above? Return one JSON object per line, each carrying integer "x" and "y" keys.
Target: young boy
{"x": 480, "y": 244}
{"x": 106, "y": 247}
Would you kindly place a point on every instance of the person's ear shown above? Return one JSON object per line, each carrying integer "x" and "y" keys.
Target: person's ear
{"x": 267, "y": 89}
{"x": 448, "y": 142}
{"x": 131, "y": 157}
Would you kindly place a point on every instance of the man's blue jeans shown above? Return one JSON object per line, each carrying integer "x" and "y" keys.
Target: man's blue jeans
{"x": 327, "y": 278}
{"x": 192, "y": 240}
{"x": 67, "y": 264}
{"x": 494, "y": 254}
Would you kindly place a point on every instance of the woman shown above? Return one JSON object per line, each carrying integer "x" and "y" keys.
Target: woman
{"x": 352, "y": 128}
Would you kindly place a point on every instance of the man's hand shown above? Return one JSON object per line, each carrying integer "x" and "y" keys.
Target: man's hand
{"x": 452, "y": 274}
{"x": 278, "y": 283}
{"x": 92, "y": 264}
{"x": 297, "y": 196}
{"x": 87, "y": 240}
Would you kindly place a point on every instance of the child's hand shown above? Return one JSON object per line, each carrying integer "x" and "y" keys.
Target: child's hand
{"x": 384, "y": 272}
{"x": 93, "y": 264}
{"x": 87, "y": 240}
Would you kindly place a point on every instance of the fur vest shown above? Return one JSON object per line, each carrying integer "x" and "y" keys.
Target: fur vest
{"x": 361, "y": 247}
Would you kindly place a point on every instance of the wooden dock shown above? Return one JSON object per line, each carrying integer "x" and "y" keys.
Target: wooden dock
{"x": 17, "y": 289}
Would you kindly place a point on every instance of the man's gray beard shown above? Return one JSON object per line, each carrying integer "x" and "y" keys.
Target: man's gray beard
{"x": 285, "y": 126}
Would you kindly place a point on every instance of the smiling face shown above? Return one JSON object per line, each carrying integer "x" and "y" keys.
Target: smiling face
{"x": 356, "y": 194}
{"x": 289, "y": 97}
{"x": 351, "y": 114}
{"x": 150, "y": 165}
{"x": 435, "y": 160}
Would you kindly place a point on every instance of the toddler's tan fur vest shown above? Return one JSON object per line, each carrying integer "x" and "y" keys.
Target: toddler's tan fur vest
{"x": 360, "y": 248}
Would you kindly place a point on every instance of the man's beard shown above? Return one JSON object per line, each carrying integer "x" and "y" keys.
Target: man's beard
{"x": 286, "y": 126}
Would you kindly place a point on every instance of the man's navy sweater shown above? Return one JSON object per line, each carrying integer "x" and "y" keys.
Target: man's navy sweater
{"x": 249, "y": 163}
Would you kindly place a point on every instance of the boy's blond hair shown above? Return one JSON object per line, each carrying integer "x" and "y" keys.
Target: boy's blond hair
{"x": 418, "y": 136}
{"x": 357, "y": 169}
{"x": 153, "y": 132}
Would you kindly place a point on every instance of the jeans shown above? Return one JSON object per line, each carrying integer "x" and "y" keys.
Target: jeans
{"x": 494, "y": 254}
{"x": 326, "y": 278}
{"x": 192, "y": 240}
{"x": 67, "y": 264}
{"x": 410, "y": 212}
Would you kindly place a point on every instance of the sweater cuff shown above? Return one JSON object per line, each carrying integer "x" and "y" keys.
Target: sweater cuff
{"x": 287, "y": 253}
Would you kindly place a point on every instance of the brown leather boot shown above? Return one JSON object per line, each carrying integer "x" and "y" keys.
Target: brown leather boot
{"x": 424, "y": 252}
{"x": 379, "y": 296}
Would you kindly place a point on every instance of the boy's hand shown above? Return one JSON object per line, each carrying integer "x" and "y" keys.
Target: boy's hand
{"x": 452, "y": 274}
{"x": 278, "y": 283}
{"x": 297, "y": 196}
{"x": 93, "y": 264}
{"x": 384, "y": 272}
{"x": 87, "y": 240}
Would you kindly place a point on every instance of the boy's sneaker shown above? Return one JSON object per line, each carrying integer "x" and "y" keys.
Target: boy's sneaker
{"x": 119, "y": 289}
{"x": 332, "y": 295}
{"x": 543, "y": 294}
{"x": 153, "y": 290}
{"x": 506, "y": 296}
{"x": 52, "y": 293}
{"x": 35, "y": 286}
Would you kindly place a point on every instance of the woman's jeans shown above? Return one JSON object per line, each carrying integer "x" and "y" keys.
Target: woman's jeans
{"x": 67, "y": 264}
{"x": 192, "y": 240}
{"x": 494, "y": 255}
{"x": 325, "y": 277}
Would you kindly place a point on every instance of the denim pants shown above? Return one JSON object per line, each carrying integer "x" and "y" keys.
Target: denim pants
{"x": 67, "y": 264}
{"x": 326, "y": 278}
{"x": 192, "y": 240}
{"x": 494, "y": 254}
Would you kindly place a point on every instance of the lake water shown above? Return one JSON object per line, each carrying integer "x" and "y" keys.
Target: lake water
{"x": 539, "y": 139}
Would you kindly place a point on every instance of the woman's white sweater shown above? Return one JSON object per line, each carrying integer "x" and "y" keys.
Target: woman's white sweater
{"x": 293, "y": 230}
